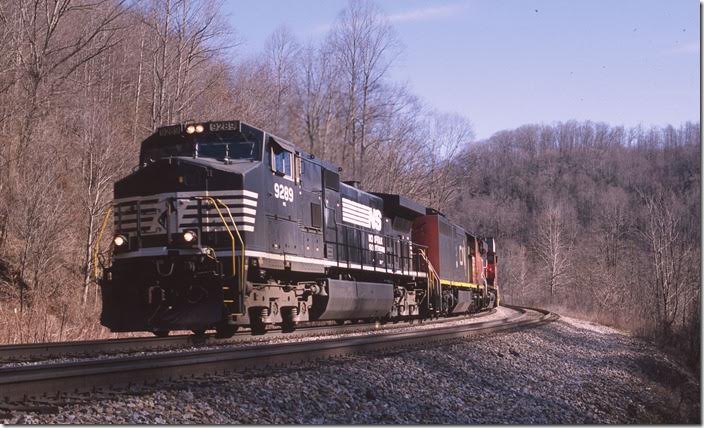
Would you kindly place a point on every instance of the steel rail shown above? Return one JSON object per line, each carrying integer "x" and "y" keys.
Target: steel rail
{"x": 34, "y": 381}
{"x": 85, "y": 348}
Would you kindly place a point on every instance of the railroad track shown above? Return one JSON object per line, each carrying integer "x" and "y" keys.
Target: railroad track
{"x": 35, "y": 381}
{"x": 86, "y": 348}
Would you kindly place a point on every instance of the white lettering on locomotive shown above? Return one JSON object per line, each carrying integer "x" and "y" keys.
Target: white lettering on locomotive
{"x": 361, "y": 215}
{"x": 376, "y": 243}
{"x": 283, "y": 192}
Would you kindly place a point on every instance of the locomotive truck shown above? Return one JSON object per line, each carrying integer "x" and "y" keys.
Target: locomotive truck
{"x": 223, "y": 225}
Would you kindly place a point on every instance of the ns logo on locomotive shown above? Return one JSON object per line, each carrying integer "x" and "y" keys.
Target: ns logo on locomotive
{"x": 225, "y": 225}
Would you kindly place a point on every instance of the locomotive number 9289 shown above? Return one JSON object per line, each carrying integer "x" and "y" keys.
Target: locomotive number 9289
{"x": 284, "y": 192}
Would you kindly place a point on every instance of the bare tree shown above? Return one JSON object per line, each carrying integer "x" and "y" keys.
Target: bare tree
{"x": 187, "y": 36}
{"x": 316, "y": 99}
{"x": 97, "y": 150}
{"x": 55, "y": 39}
{"x": 553, "y": 245}
{"x": 282, "y": 49}
{"x": 448, "y": 173}
{"x": 364, "y": 47}
{"x": 673, "y": 276}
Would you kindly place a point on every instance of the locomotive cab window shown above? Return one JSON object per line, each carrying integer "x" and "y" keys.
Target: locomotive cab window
{"x": 223, "y": 149}
{"x": 205, "y": 146}
{"x": 281, "y": 161}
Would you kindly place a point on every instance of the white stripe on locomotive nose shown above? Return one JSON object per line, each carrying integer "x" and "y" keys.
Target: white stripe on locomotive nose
{"x": 241, "y": 219}
{"x": 220, "y": 194}
{"x": 213, "y": 212}
{"x": 224, "y": 193}
{"x": 230, "y": 203}
{"x": 234, "y": 208}
{"x": 245, "y": 228}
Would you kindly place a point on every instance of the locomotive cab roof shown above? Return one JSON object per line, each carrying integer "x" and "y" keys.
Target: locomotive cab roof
{"x": 234, "y": 130}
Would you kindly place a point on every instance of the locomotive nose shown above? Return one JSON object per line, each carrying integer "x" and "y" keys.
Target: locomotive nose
{"x": 168, "y": 175}
{"x": 170, "y": 203}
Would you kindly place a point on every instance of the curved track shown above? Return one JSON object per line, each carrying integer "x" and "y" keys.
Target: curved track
{"x": 87, "y": 348}
{"x": 17, "y": 383}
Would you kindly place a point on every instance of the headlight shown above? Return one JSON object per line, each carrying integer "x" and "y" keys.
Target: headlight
{"x": 189, "y": 236}
{"x": 119, "y": 240}
{"x": 190, "y": 129}
{"x": 199, "y": 128}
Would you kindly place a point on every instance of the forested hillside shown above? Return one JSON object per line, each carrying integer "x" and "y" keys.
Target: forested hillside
{"x": 594, "y": 219}
{"x": 82, "y": 83}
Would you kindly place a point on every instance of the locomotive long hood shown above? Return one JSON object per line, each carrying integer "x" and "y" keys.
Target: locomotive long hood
{"x": 183, "y": 174}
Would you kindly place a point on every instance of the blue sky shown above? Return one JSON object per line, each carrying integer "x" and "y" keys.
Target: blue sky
{"x": 505, "y": 63}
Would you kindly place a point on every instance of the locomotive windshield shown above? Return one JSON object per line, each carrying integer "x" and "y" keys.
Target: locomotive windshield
{"x": 227, "y": 149}
{"x": 205, "y": 146}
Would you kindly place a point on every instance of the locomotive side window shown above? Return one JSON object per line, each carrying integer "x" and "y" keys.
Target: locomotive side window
{"x": 281, "y": 160}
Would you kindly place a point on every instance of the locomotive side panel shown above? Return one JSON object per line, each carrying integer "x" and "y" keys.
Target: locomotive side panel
{"x": 426, "y": 233}
{"x": 447, "y": 246}
{"x": 453, "y": 250}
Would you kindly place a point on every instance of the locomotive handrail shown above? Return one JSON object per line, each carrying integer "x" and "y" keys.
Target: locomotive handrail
{"x": 363, "y": 249}
{"x": 239, "y": 237}
{"x": 215, "y": 203}
{"x": 433, "y": 278}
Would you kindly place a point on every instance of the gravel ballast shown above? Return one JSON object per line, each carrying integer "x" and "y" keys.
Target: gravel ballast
{"x": 565, "y": 372}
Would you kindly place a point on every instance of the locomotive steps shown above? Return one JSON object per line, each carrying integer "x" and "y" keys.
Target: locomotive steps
{"x": 17, "y": 383}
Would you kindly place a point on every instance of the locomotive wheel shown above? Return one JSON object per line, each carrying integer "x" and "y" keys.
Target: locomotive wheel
{"x": 288, "y": 325}
{"x": 256, "y": 323}
{"x": 161, "y": 333}
{"x": 225, "y": 331}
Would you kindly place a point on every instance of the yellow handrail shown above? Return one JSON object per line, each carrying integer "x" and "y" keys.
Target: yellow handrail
{"x": 214, "y": 202}
{"x": 239, "y": 237}
{"x": 96, "y": 246}
{"x": 240, "y": 277}
{"x": 433, "y": 276}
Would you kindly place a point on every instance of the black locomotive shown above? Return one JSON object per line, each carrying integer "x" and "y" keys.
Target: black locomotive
{"x": 225, "y": 225}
